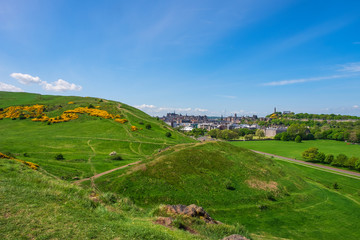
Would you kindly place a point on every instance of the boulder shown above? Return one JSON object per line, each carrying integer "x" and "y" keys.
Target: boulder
{"x": 235, "y": 237}
{"x": 113, "y": 153}
{"x": 191, "y": 211}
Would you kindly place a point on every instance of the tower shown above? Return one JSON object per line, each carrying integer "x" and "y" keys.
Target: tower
{"x": 274, "y": 109}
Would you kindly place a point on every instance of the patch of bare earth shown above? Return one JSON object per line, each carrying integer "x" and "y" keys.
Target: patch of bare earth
{"x": 262, "y": 185}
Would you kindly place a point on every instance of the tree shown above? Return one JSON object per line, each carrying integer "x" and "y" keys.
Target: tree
{"x": 320, "y": 157}
{"x": 148, "y": 126}
{"x": 357, "y": 165}
{"x": 168, "y": 134}
{"x": 285, "y": 136}
{"x": 310, "y": 154}
{"x": 260, "y": 133}
{"x": 329, "y": 158}
{"x": 340, "y": 160}
{"x": 298, "y": 139}
{"x": 350, "y": 163}
{"x": 249, "y": 137}
{"x": 214, "y": 133}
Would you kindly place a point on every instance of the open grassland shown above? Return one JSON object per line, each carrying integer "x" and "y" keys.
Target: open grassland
{"x": 84, "y": 142}
{"x": 292, "y": 149}
{"x": 36, "y": 206}
{"x": 268, "y": 197}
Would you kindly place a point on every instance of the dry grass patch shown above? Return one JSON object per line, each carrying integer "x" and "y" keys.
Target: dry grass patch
{"x": 262, "y": 185}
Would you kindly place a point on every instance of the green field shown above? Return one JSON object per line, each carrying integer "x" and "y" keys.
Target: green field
{"x": 294, "y": 150}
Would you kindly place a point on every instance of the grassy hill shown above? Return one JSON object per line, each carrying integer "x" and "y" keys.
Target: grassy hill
{"x": 84, "y": 142}
{"x": 269, "y": 198}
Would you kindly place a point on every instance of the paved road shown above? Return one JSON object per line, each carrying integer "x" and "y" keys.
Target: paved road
{"x": 107, "y": 172}
{"x": 333, "y": 170}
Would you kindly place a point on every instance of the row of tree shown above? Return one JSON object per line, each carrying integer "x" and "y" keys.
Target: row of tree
{"x": 341, "y": 160}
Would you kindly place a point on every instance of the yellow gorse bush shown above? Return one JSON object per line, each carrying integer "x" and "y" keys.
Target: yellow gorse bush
{"x": 119, "y": 120}
{"x": 29, "y": 164}
{"x": 36, "y": 113}
{"x": 26, "y": 111}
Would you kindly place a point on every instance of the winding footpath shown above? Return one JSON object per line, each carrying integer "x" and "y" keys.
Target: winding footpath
{"x": 314, "y": 165}
{"x": 104, "y": 173}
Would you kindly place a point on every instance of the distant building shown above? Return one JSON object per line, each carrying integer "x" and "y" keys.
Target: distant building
{"x": 286, "y": 112}
{"x": 271, "y": 132}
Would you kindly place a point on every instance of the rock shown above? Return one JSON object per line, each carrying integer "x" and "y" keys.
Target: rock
{"x": 235, "y": 237}
{"x": 165, "y": 221}
{"x": 113, "y": 153}
{"x": 191, "y": 211}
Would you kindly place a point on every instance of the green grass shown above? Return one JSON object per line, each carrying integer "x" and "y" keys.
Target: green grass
{"x": 35, "y": 206}
{"x": 85, "y": 142}
{"x": 303, "y": 205}
{"x": 294, "y": 150}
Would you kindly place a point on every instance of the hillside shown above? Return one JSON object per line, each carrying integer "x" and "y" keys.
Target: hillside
{"x": 235, "y": 185}
{"x": 83, "y": 129}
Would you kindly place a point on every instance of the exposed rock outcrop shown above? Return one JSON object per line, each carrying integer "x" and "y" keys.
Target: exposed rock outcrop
{"x": 191, "y": 211}
{"x": 235, "y": 237}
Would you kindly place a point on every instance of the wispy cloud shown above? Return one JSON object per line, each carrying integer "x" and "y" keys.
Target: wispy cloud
{"x": 9, "y": 88}
{"x": 58, "y": 86}
{"x": 303, "y": 80}
{"x": 152, "y": 109}
{"x": 351, "y": 67}
{"x": 356, "y": 42}
{"x": 227, "y": 96}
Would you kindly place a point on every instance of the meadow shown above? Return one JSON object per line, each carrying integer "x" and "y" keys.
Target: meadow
{"x": 292, "y": 149}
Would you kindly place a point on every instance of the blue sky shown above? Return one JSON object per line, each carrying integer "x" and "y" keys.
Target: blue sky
{"x": 194, "y": 57}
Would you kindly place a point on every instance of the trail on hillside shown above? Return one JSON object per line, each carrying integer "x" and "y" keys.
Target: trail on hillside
{"x": 91, "y": 165}
{"x": 315, "y": 166}
{"x": 106, "y": 172}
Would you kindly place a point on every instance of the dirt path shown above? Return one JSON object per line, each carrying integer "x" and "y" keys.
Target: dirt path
{"x": 106, "y": 172}
{"x": 316, "y": 166}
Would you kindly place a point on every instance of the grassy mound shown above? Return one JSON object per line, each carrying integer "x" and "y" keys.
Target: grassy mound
{"x": 235, "y": 185}
{"x": 36, "y": 206}
{"x": 84, "y": 142}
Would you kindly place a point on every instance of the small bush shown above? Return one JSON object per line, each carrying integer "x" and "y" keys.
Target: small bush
{"x": 141, "y": 123}
{"x": 148, "y": 126}
{"x": 298, "y": 139}
{"x": 168, "y": 134}
{"x": 26, "y": 155}
{"x": 59, "y": 157}
{"x": 116, "y": 157}
{"x": 335, "y": 185}
{"x": 91, "y": 106}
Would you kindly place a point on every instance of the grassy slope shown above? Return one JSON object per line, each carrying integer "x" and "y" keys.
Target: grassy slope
{"x": 35, "y": 206}
{"x": 293, "y": 150}
{"x": 303, "y": 206}
{"x": 85, "y": 142}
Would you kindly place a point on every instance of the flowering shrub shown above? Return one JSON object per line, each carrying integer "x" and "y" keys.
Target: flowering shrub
{"x": 23, "y": 111}
{"x": 36, "y": 113}
{"x": 119, "y": 120}
{"x": 29, "y": 164}
{"x": 134, "y": 128}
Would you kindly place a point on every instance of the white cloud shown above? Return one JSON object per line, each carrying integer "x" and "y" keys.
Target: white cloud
{"x": 9, "y": 88}
{"x": 145, "y": 106}
{"x": 60, "y": 86}
{"x": 302, "y": 80}
{"x": 25, "y": 78}
{"x": 356, "y": 106}
{"x": 200, "y": 110}
{"x": 351, "y": 67}
{"x": 152, "y": 109}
